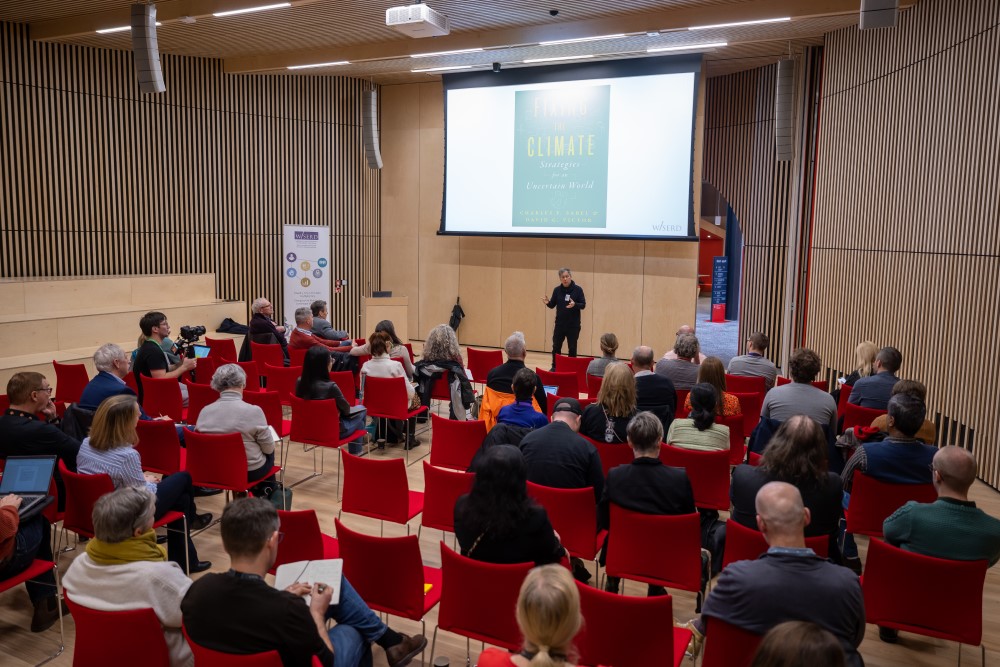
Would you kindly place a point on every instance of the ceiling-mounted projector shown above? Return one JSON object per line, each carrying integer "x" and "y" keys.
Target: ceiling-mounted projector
{"x": 417, "y": 20}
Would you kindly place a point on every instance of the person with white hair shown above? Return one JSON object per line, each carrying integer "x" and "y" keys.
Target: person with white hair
{"x": 501, "y": 378}
{"x": 262, "y": 326}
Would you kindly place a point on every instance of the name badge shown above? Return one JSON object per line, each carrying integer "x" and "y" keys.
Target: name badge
{"x": 567, "y": 298}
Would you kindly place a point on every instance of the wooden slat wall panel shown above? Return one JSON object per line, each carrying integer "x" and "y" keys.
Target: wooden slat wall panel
{"x": 96, "y": 179}
{"x": 739, "y": 162}
{"x": 905, "y": 243}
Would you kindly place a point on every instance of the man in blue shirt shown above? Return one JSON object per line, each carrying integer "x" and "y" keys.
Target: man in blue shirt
{"x": 875, "y": 390}
{"x": 522, "y": 411}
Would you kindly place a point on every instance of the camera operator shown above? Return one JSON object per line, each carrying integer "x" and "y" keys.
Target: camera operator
{"x": 151, "y": 360}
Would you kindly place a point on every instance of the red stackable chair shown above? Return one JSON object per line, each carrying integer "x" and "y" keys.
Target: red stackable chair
{"x": 387, "y": 398}
{"x": 822, "y": 385}
{"x": 454, "y": 443}
{"x": 389, "y": 575}
{"x": 465, "y": 584}
{"x": 303, "y": 539}
{"x": 199, "y": 395}
{"x": 895, "y": 586}
{"x": 265, "y": 354}
{"x": 222, "y": 348}
{"x": 297, "y": 356}
{"x": 680, "y": 411}
{"x": 855, "y": 415}
{"x": 573, "y": 513}
{"x": 744, "y": 543}
{"x": 781, "y": 380}
{"x": 159, "y": 447}
{"x": 282, "y": 380}
{"x": 612, "y": 455}
{"x": 4, "y": 402}
{"x": 131, "y": 383}
{"x": 567, "y": 383}
{"x": 409, "y": 348}
{"x": 593, "y": 385}
{"x": 845, "y": 393}
{"x": 578, "y": 365}
{"x": 610, "y": 618}
{"x": 873, "y": 501}
{"x": 317, "y": 423}
{"x": 481, "y": 362}
{"x": 378, "y": 488}
{"x": 253, "y": 374}
{"x": 737, "y": 441}
{"x": 745, "y": 384}
{"x": 206, "y": 657}
{"x": 753, "y": 458}
{"x": 345, "y": 381}
{"x": 708, "y": 472}
{"x": 750, "y": 405}
{"x": 727, "y": 645}
{"x": 162, "y": 396}
{"x": 136, "y": 632}
{"x": 442, "y": 488}
{"x": 205, "y": 370}
{"x": 219, "y": 461}
{"x": 270, "y": 403}
{"x": 37, "y": 568}
{"x": 71, "y": 379}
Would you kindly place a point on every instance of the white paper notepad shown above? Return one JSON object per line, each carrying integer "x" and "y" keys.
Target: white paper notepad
{"x": 326, "y": 572}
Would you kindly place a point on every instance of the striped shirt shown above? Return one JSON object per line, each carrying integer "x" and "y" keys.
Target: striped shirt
{"x": 122, "y": 464}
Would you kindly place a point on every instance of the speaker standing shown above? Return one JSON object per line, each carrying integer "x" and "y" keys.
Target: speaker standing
{"x": 568, "y": 300}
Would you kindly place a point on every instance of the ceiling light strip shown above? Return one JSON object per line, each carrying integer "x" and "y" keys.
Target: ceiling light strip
{"x": 442, "y": 69}
{"x": 552, "y": 60}
{"x": 738, "y": 23}
{"x": 332, "y": 64}
{"x": 689, "y": 47}
{"x": 121, "y": 28}
{"x": 248, "y": 10}
{"x": 581, "y": 39}
{"x": 444, "y": 53}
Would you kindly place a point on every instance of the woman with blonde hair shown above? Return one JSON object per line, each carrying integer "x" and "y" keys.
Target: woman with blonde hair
{"x": 442, "y": 356}
{"x": 609, "y": 346}
{"x": 864, "y": 366}
{"x": 109, "y": 450}
{"x": 607, "y": 419}
{"x": 548, "y": 614}
{"x": 711, "y": 371}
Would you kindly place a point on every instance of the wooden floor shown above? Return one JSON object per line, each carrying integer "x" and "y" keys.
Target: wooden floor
{"x": 19, "y": 647}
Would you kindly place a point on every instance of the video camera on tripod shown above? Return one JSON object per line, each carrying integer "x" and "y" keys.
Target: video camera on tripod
{"x": 189, "y": 336}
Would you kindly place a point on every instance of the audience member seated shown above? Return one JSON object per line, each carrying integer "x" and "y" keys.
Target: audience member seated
{"x": 789, "y": 582}
{"x": 609, "y": 348}
{"x": 20, "y": 544}
{"x": 522, "y": 411}
{"x": 864, "y": 355}
{"x": 672, "y": 353}
{"x": 682, "y": 367}
{"x": 607, "y": 419}
{"x": 381, "y": 365}
{"x": 22, "y": 433}
{"x": 799, "y": 397}
{"x": 699, "y": 431}
{"x": 501, "y": 378}
{"x": 238, "y": 612}
{"x": 646, "y": 485}
{"x": 315, "y": 385}
{"x": 263, "y": 330}
{"x": 442, "y": 356}
{"x": 497, "y": 522}
{"x": 653, "y": 392}
{"x": 754, "y": 363}
{"x": 711, "y": 371}
{"x": 797, "y": 454}
{"x": 875, "y": 390}
{"x": 123, "y": 568}
{"x": 797, "y": 643}
{"x": 928, "y": 431}
{"x": 397, "y": 350}
{"x": 151, "y": 360}
{"x": 303, "y": 338}
{"x": 109, "y": 451}
{"x": 952, "y": 526}
{"x": 321, "y": 325}
{"x": 548, "y": 614}
{"x": 231, "y": 414}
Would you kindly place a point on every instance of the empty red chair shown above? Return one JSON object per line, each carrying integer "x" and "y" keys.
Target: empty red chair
{"x": 845, "y": 393}
{"x": 265, "y": 354}
{"x": 131, "y": 383}
{"x": 727, "y": 645}
{"x": 282, "y": 380}
{"x": 744, "y": 543}
{"x": 303, "y": 539}
{"x": 317, "y": 423}
{"x": 855, "y": 415}
{"x": 159, "y": 447}
{"x": 136, "y": 632}
{"x": 222, "y": 348}
{"x": 442, "y": 488}
{"x": 71, "y": 379}
{"x": 567, "y": 383}
{"x": 573, "y": 513}
{"x": 297, "y": 356}
{"x": 895, "y": 586}
{"x": 481, "y": 362}
{"x": 387, "y": 398}
{"x": 708, "y": 472}
{"x": 253, "y": 374}
{"x": 610, "y": 618}
{"x": 454, "y": 443}
{"x": 378, "y": 488}
{"x": 612, "y": 454}
{"x": 745, "y": 384}
{"x": 199, "y": 395}
{"x": 205, "y": 370}
{"x": 162, "y": 397}
{"x": 680, "y": 412}
{"x": 822, "y": 385}
{"x": 750, "y": 405}
{"x": 873, "y": 501}
{"x": 345, "y": 381}
{"x": 578, "y": 365}
{"x": 737, "y": 441}
{"x": 219, "y": 461}
{"x": 388, "y": 573}
{"x": 594, "y": 383}
{"x": 465, "y": 585}
{"x": 781, "y": 380}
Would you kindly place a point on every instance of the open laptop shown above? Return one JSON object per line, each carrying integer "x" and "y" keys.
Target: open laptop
{"x": 28, "y": 477}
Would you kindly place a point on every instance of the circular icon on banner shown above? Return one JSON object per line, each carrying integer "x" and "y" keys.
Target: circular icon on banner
{"x": 305, "y": 266}
{"x": 317, "y": 274}
{"x": 291, "y": 273}
{"x": 305, "y": 282}
{"x": 291, "y": 257}
{"x": 322, "y": 262}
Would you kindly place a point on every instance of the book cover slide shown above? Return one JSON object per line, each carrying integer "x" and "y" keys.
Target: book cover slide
{"x": 561, "y": 157}
{"x": 311, "y": 572}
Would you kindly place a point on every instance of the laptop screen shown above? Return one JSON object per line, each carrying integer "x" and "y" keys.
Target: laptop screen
{"x": 201, "y": 351}
{"x": 27, "y": 474}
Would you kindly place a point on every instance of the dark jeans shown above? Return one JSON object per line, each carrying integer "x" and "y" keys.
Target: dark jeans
{"x": 32, "y": 541}
{"x": 174, "y": 493}
{"x": 261, "y": 472}
{"x": 357, "y": 627}
{"x": 568, "y": 332}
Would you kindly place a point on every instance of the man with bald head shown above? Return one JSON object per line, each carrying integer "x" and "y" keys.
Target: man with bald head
{"x": 672, "y": 353}
{"x": 653, "y": 392}
{"x": 789, "y": 582}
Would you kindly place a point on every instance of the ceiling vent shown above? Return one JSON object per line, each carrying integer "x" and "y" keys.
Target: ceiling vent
{"x": 417, "y": 20}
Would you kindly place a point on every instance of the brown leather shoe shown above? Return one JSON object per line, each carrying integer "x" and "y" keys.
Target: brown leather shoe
{"x": 46, "y": 614}
{"x": 403, "y": 652}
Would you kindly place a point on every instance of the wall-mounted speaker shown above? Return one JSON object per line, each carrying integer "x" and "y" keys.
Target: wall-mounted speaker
{"x": 369, "y": 113}
{"x": 878, "y": 13}
{"x": 146, "y": 50}
{"x": 784, "y": 100}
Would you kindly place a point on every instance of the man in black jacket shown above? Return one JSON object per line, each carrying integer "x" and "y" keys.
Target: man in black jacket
{"x": 653, "y": 392}
{"x": 568, "y": 300}
{"x": 501, "y": 378}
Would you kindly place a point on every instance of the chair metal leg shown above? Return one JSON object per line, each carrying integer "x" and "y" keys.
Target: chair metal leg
{"x": 62, "y": 629}
{"x": 434, "y": 642}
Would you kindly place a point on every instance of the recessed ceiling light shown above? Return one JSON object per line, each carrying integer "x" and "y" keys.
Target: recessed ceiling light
{"x": 552, "y": 60}
{"x": 121, "y": 28}
{"x": 581, "y": 39}
{"x": 333, "y": 64}
{"x": 443, "y": 53}
{"x": 442, "y": 69}
{"x": 689, "y": 47}
{"x": 730, "y": 25}
{"x": 248, "y": 10}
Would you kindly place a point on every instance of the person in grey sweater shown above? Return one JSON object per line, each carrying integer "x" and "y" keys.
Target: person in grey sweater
{"x": 799, "y": 397}
{"x": 681, "y": 370}
{"x": 753, "y": 363}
